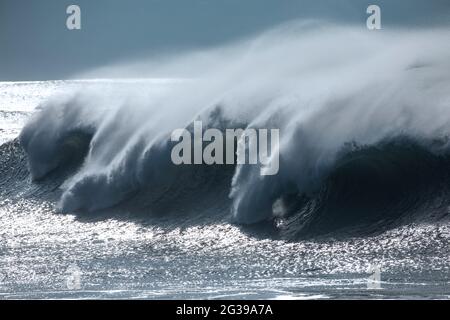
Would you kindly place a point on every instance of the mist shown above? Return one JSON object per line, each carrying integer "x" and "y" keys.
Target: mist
{"x": 322, "y": 85}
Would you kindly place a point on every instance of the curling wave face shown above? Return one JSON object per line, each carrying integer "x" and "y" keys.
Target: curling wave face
{"x": 363, "y": 118}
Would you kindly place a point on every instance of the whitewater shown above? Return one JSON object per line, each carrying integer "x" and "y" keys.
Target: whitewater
{"x": 364, "y": 155}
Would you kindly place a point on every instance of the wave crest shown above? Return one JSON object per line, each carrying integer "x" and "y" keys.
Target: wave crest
{"x": 323, "y": 88}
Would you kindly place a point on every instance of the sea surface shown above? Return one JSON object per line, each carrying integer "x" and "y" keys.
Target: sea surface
{"x": 191, "y": 247}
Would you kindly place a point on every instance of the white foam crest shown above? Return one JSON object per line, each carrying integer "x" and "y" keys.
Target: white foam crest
{"x": 321, "y": 86}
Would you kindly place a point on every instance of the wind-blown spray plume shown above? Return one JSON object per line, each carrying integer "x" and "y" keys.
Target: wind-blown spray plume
{"x": 332, "y": 91}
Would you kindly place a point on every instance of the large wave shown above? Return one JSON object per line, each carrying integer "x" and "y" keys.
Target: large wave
{"x": 363, "y": 116}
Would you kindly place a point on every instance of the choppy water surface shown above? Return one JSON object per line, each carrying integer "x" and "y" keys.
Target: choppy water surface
{"x": 119, "y": 254}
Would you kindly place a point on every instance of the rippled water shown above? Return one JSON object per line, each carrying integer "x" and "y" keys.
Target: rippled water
{"x": 124, "y": 256}
{"x": 142, "y": 259}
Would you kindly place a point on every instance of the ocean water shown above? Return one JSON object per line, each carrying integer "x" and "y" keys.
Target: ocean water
{"x": 185, "y": 254}
{"x": 92, "y": 207}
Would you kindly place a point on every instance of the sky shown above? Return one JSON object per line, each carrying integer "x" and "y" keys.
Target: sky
{"x": 35, "y": 43}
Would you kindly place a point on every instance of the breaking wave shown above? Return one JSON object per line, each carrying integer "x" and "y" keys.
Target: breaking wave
{"x": 364, "y": 122}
